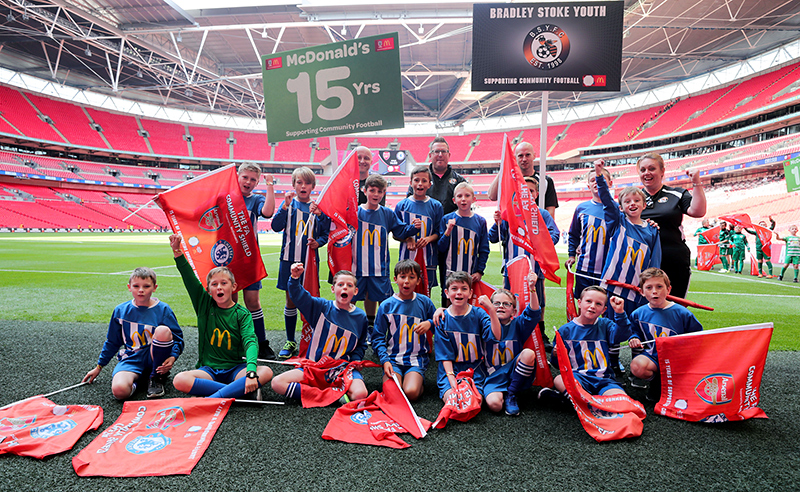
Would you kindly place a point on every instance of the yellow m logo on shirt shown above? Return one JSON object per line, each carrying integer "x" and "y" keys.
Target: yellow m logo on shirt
{"x": 335, "y": 344}
{"x": 140, "y": 339}
{"x": 219, "y": 335}
{"x": 374, "y": 237}
{"x": 502, "y": 356}
{"x": 465, "y": 352}
{"x": 301, "y": 227}
{"x": 407, "y": 332}
{"x": 594, "y": 359}
{"x": 466, "y": 246}
{"x": 635, "y": 256}
{"x": 595, "y": 231}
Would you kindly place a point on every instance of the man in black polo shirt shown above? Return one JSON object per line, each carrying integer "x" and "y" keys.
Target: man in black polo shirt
{"x": 526, "y": 158}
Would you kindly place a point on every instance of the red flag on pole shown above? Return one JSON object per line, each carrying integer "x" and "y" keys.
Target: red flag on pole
{"x": 423, "y": 287}
{"x": 311, "y": 284}
{"x": 154, "y": 438}
{"x": 526, "y": 227}
{"x": 707, "y": 256}
{"x": 711, "y": 235}
{"x": 37, "y": 427}
{"x": 605, "y": 418}
{"x": 572, "y": 311}
{"x": 753, "y": 266}
{"x": 518, "y": 270}
{"x": 764, "y": 234}
{"x": 462, "y": 403}
{"x": 713, "y": 375}
{"x": 481, "y": 288}
{"x": 210, "y": 214}
{"x": 339, "y": 201}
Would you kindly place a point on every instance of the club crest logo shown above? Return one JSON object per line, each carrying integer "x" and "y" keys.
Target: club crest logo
{"x": 386, "y": 155}
{"x": 166, "y": 418}
{"x": 546, "y": 47}
{"x": 11, "y": 424}
{"x": 602, "y": 414}
{"x": 345, "y": 241}
{"x": 335, "y": 373}
{"x": 222, "y": 253}
{"x": 210, "y": 221}
{"x": 663, "y": 199}
{"x": 361, "y": 418}
{"x": 716, "y": 389}
{"x": 53, "y": 429}
{"x": 148, "y": 444}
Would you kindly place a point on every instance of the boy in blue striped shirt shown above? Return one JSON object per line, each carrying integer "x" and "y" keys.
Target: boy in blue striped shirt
{"x": 399, "y": 337}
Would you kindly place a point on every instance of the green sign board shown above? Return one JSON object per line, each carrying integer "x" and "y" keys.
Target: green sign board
{"x": 346, "y": 87}
{"x": 791, "y": 168}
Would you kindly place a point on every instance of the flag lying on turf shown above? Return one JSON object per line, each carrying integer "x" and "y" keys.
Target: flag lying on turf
{"x": 327, "y": 380}
{"x": 605, "y": 418}
{"x": 209, "y": 212}
{"x": 526, "y": 227}
{"x": 713, "y": 375}
{"x": 37, "y": 427}
{"x": 518, "y": 270}
{"x": 311, "y": 284}
{"x": 462, "y": 403}
{"x": 339, "y": 201}
{"x": 377, "y": 419}
{"x": 707, "y": 256}
{"x": 154, "y": 438}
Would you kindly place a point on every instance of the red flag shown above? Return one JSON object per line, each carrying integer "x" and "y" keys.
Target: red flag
{"x": 707, "y": 256}
{"x": 462, "y": 403}
{"x": 311, "y": 284}
{"x": 518, "y": 270}
{"x": 394, "y": 403}
{"x": 37, "y": 427}
{"x": 572, "y": 311}
{"x": 742, "y": 220}
{"x": 711, "y": 235}
{"x": 154, "y": 438}
{"x": 753, "y": 266}
{"x": 339, "y": 201}
{"x": 713, "y": 375}
{"x": 327, "y": 380}
{"x": 526, "y": 227}
{"x": 423, "y": 287}
{"x": 481, "y": 288}
{"x": 605, "y": 418}
{"x": 209, "y": 212}
{"x": 363, "y": 422}
{"x": 764, "y": 234}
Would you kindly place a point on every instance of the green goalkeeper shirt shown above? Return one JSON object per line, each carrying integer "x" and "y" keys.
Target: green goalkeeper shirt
{"x": 225, "y": 334}
{"x": 739, "y": 241}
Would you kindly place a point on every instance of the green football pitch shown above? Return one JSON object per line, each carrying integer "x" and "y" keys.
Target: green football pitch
{"x": 58, "y": 291}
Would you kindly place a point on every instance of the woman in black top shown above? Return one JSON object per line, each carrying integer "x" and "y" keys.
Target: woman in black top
{"x": 666, "y": 206}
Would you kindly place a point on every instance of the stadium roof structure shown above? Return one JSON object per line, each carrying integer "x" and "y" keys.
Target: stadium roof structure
{"x": 208, "y": 59}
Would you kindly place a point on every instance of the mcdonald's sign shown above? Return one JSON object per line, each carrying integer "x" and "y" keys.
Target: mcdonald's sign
{"x": 336, "y": 345}
{"x": 374, "y": 237}
{"x": 219, "y": 335}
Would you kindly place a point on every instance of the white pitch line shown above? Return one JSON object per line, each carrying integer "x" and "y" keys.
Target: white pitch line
{"x": 743, "y": 294}
{"x": 745, "y": 279}
{"x": 76, "y": 273}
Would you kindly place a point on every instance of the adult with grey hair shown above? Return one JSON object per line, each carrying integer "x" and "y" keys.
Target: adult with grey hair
{"x": 666, "y": 206}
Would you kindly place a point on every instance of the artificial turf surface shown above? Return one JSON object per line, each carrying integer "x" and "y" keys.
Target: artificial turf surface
{"x": 44, "y": 347}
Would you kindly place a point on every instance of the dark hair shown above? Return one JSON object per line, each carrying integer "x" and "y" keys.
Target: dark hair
{"x": 407, "y": 266}
{"x": 343, "y": 273}
{"x": 421, "y": 169}
{"x": 375, "y": 181}
{"x": 594, "y": 288}
{"x": 653, "y": 273}
{"x": 439, "y": 140}
{"x": 454, "y": 277}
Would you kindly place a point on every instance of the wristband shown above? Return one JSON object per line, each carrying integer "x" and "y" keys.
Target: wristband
{"x": 450, "y": 373}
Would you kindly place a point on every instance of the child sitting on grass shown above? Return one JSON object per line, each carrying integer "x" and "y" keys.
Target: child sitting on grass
{"x": 150, "y": 338}
{"x": 509, "y": 367}
{"x": 659, "y": 318}
{"x": 225, "y": 336}
{"x": 340, "y": 330}
{"x": 587, "y": 339}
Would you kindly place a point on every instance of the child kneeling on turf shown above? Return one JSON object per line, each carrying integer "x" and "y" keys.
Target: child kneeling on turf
{"x": 459, "y": 336}
{"x": 225, "y": 336}
{"x": 659, "y": 318}
{"x": 340, "y": 330}
{"x": 587, "y": 339}
{"x": 149, "y": 335}
{"x": 509, "y": 367}
{"x": 399, "y": 337}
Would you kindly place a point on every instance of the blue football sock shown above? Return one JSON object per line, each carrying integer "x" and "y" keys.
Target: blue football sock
{"x": 258, "y": 324}
{"x": 205, "y": 387}
{"x": 521, "y": 378}
{"x": 233, "y": 390}
{"x": 293, "y": 391}
{"x": 159, "y": 352}
{"x": 290, "y": 319}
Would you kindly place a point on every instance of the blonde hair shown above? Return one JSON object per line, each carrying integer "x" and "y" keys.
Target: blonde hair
{"x": 464, "y": 186}
{"x": 221, "y": 269}
{"x": 632, "y": 190}
{"x": 305, "y": 174}
{"x": 653, "y": 156}
{"x": 604, "y": 171}
{"x": 505, "y": 292}
{"x": 249, "y": 166}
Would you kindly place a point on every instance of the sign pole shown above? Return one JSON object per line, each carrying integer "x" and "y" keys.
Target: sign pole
{"x": 543, "y": 151}
{"x": 334, "y": 153}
